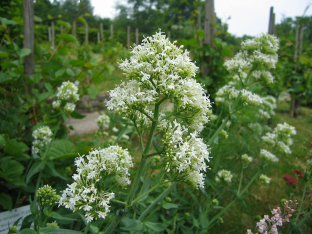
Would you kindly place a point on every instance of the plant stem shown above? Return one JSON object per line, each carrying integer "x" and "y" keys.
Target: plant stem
{"x": 134, "y": 187}
{"x": 87, "y": 228}
{"x": 240, "y": 181}
{"x": 151, "y": 207}
{"x": 114, "y": 224}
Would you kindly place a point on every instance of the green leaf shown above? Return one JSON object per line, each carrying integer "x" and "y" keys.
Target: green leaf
{"x": 77, "y": 63}
{"x": 27, "y": 231}
{"x": 2, "y": 140}
{"x": 60, "y": 72}
{"x": 34, "y": 78}
{"x": 68, "y": 38}
{"x": 5, "y": 77}
{"x": 70, "y": 72}
{"x": 37, "y": 19}
{"x": 58, "y": 216}
{"x": 41, "y": 97}
{"x": 133, "y": 225}
{"x": 82, "y": 20}
{"x": 48, "y": 86}
{"x": 15, "y": 148}
{"x": 76, "y": 115}
{"x": 54, "y": 172}
{"x": 110, "y": 68}
{"x": 65, "y": 24}
{"x": 61, "y": 149}
{"x": 170, "y": 206}
{"x": 24, "y": 52}
{"x": 157, "y": 227}
{"x": 92, "y": 92}
{"x": 226, "y": 51}
{"x": 35, "y": 168}
{"x": 5, "y": 21}
{"x": 5, "y": 201}
{"x": 56, "y": 230}
{"x": 11, "y": 168}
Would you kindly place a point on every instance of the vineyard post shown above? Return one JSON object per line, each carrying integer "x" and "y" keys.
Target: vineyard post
{"x": 87, "y": 34}
{"x": 137, "y": 36}
{"x": 271, "y": 30}
{"x": 111, "y": 31}
{"x": 102, "y": 36}
{"x": 169, "y": 35}
{"x": 61, "y": 29}
{"x": 208, "y": 32}
{"x": 128, "y": 36}
{"x": 53, "y": 39}
{"x": 74, "y": 32}
{"x": 29, "y": 61}
{"x": 49, "y": 33}
{"x": 98, "y": 37}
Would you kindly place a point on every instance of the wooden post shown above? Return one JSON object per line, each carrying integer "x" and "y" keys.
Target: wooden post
{"x": 53, "y": 36}
{"x": 271, "y": 22}
{"x": 199, "y": 29}
{"x": 137, "y": 36}
{"x": 128, "y": 36}
{"x": 111, "y": 31}
{"x": 87, "y": 34}
{"x": 74, "y": 30}
{"x": 61, "y": 29}
{"x": 29, "y": 36}
{"x": 169, "y": 35}
{"x": 208, "y": 32}
{"x": 295, "y": 102}
{"x": 49, "y": 32}
{"x": 301, "y": 40}
{"x": 209, "y": 14}
{"x": 98, "y": 37}
{"x": 74, "y": 34}
{"x": 102, "y": 36}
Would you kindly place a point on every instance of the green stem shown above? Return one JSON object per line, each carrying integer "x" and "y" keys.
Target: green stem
{"x": 147, "y": 192}
{"x": 214, "y": 136}
{"x": 302, "y": 199}
{"x": 221, "y": 212}
{"x": 240, "y": 181}
{"x": 114, "y": 224}
{"x": 87, "y": 228}
{"x": 151, "y": 207}
{"x": 117, "y": 201}
{"x": 134, "y": 187}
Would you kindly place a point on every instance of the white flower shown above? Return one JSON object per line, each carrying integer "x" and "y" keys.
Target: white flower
{"x": 68, "y": 91}
{"x": 103, "y": 121}
{"x": 268, "y": 156}
{"x": 186, "y": 156}
{"x": 157, "y": 69}
{"x": 69, "y": 107}
{"x": 42, "y": 136}
{"x": 246, "y": 158}
{"x": 56, "y": 104}
{"x": 86, "y": 193}
{"x": 265, "y": 179}
{"x": 224, "y": 175}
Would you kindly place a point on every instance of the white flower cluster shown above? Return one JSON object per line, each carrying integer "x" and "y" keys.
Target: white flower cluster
{"x": 248, "y": 66}
{"x": 281, "y": 137}
{"x": 246, "y": 158}
{"x": 67, "y": 93}
{"x": 42, "y": 136}
{"x": 229, "y": 93}
{"x": 224, "y": 176}
{"x": 158, "y": 69}
{"x": 264, "y": 179}
{"x": 268, "y": 156}
{"x": 186, "y": 156}
{"x": 86, "y": 193}
{"x": 103, "y": 121}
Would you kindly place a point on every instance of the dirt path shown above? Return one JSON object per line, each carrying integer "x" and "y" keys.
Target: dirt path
{"x": 83, "y": 126}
